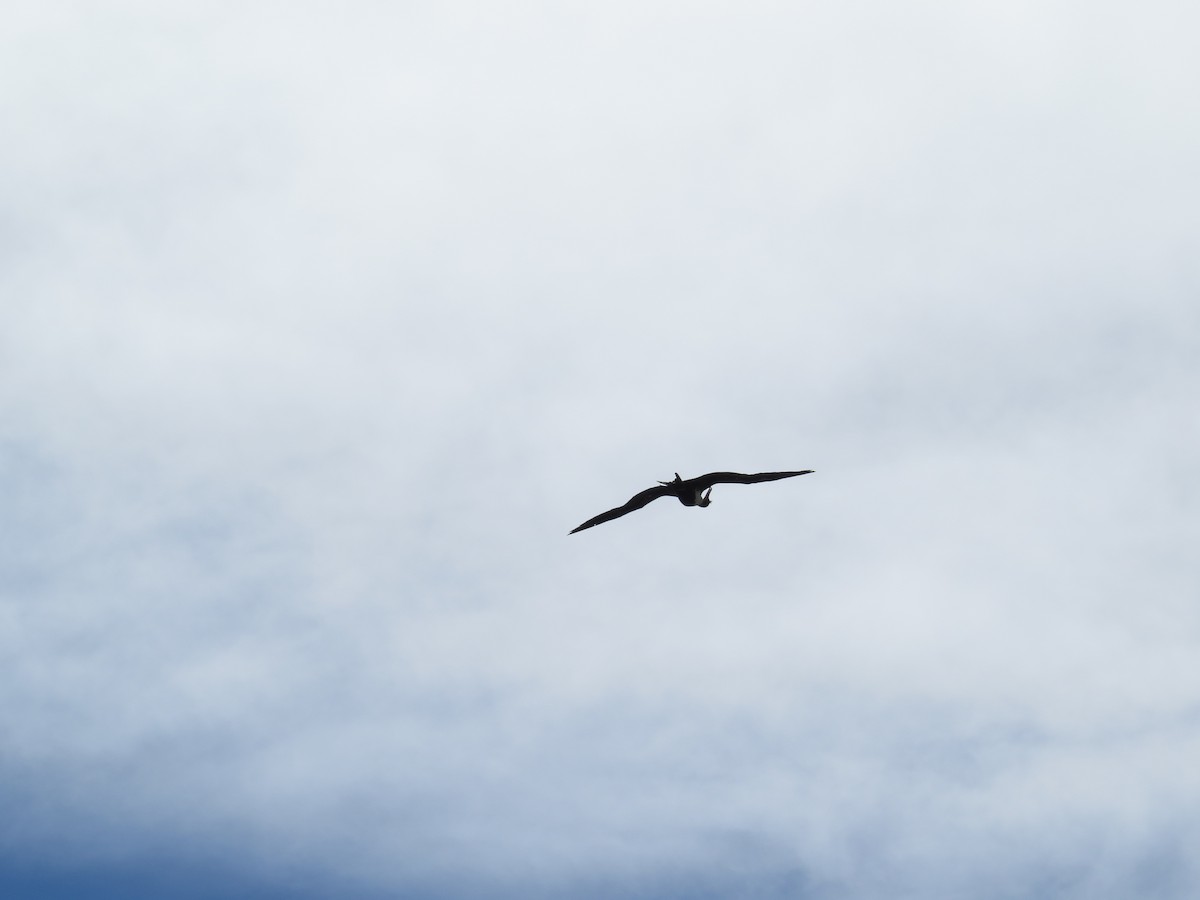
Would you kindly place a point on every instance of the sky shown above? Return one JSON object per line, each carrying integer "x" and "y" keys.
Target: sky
{"x": 322, "y": 325}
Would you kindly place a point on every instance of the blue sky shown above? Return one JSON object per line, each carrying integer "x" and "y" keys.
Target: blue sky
{"x": 319, "y": 329}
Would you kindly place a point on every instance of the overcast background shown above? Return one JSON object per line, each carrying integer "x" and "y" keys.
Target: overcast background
{"x": 322, "y": 324}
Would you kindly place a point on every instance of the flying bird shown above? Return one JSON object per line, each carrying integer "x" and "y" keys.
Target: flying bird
{"x": 689, "y": 492}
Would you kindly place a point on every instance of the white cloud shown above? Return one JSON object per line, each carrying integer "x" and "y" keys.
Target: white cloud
{"x": 320, "y": 332}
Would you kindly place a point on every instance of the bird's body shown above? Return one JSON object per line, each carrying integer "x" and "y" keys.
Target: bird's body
{"x": 689, "y": 492}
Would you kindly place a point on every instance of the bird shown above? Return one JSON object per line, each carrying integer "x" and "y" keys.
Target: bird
{"x": 688, "y": 491}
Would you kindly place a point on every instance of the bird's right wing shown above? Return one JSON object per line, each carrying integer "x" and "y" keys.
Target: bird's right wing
{"x": 636, "y": 502}
{"x": 707, "y": 481}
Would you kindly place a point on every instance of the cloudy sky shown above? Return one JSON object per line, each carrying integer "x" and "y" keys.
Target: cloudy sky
{"x": 322, "y": 324}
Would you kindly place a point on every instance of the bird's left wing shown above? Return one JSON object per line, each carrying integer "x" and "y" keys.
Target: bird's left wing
{"x": 637, "y": 501}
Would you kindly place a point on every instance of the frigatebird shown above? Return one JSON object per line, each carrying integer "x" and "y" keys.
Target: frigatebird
{"x": 689, "y": 492}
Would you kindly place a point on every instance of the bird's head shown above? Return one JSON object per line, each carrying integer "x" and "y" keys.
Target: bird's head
{"x": 704, "y": 501}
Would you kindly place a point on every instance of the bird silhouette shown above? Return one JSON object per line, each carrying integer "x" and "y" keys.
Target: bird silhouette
{"x": 689, "y": 492}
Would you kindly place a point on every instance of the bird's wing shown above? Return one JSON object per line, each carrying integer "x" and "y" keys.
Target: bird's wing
{"x": 637, "y": 501}
{"x": 707, "y": 481}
